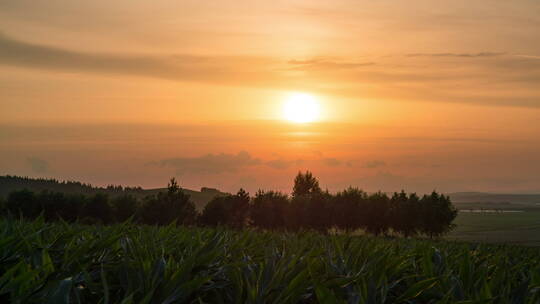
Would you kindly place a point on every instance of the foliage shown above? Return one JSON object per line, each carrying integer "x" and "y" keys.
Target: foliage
{"x": 268, "y": 210}
{"x": 68, "y": 263}
{"x": 9, "y": 184}
{"x": 346, "y": 209}
{"x": 437, "y": 213}
{"x": 124, "y": 207}
{"x": 167, "y": 207}
{"x": 305, "y": 184}
{"x": 309, "y": 208}
{"x": 231, "y": 210}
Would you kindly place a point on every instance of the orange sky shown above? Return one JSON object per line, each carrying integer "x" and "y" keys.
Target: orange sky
{"x": 418, "y": 95}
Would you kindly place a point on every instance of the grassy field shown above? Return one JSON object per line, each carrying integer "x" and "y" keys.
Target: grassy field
{"x": 521, "y": 228}
{"x": 61, "y": 263}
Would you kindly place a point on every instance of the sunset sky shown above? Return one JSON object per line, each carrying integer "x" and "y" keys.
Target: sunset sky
{"x": 414, "y": 95}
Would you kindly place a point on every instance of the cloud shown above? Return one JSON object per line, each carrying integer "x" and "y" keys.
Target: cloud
{"x": 326, "y": 64}
{"x": 223, "y": 162}
{"x": 279, "y": 163}
{"x": 374, "y": 164}
{"x": 38, "y": 165}
{"x": 506, "y": 80}
{"x": 462, "y": 55}
{"x": 213, "y": 69}
{"x": 211, "y": 163}
{"x": 332, "y": 162}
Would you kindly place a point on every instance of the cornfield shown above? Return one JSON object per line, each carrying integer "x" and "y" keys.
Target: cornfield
{"x": 125, "y": 263}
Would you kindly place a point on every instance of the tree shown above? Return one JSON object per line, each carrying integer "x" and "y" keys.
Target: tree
{"x": 377, "y": 213}
{"x": 24, "y": 203}
{"x": 438, "y": 213}
{"x": 309, "y": 206}
{"x": 53, "y": 204}
{"x": 318, "y": 211}
{"x": 215, "y": 212}
{"x": 348, "y": 209}
{"x": 166, "y": 207}
{"x": 124, "y": 207}
{"x": 230, "y": 210}
{"x": 268, "y": 209}
{"x": 405, "y": 213}
{"x": 305, "y": 184}
{"x": 97, "y": 209}
{"x": 238, "y": 210}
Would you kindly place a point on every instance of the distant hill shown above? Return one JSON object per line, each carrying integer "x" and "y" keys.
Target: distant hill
{"x": 479, "y": 200}
{"x": 479, "y": 197}
{"x": 9, "y": 184}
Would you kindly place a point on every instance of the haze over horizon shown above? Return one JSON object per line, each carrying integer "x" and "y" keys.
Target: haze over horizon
{"x": 414, "y": 95}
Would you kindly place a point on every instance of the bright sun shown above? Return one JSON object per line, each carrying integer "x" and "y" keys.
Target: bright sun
{"x": 301, "y": 108}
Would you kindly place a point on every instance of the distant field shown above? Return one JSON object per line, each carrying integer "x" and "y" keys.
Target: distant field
{"x": 521, "y": 228}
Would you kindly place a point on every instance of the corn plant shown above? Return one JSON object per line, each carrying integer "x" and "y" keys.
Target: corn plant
{"x": 71, "y": 263}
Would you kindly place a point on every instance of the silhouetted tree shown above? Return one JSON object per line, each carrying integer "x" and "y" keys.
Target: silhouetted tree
{"x": 318, "y": 211}
{"x": 124, "y": 207}
{"x": 3, "y": 207}
{"x": 309, "y": 206}
{"x": 23, "y": 203}
{"x": 349, "y": 209}
{"x": 231, "y": 210}
{"x": 10, "y": 184}
{"x": 53, "y": 204}
{"x": 438, "y": 213}
{"x": 305, "y": 184}
{"x": 378, "y": 213}
{"x": 166, "y": 207}
{"x": 97, "y": 208}
{"x": 405, "y": 213}
{"x": 268, "y": 210}
{"x": 214, "y": 212}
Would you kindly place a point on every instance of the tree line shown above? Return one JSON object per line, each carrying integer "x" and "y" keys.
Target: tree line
{"x": 307, "y": 208}
{"x": 8, "y": 183}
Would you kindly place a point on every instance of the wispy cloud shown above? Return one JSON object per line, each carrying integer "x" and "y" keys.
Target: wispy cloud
{"x": 459, "y": 55}
{"x": 326, "y": 64}
{"x": 507, "y": 80}
{"x": 374, "y": 164}
{"x": 211, "y": 163}
{"x": 212, "y": 69}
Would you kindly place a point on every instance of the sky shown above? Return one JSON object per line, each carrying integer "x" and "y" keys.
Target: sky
{"x": 414, "y": 95}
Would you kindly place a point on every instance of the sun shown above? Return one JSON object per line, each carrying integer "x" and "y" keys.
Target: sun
{"x": 301, "y": 108}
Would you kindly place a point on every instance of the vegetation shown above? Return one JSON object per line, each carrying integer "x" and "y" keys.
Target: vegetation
{"x": 309, "y": 208}
{"x": 521, "y": 228}
{"x": 260, "y": 249}
{"x": 9, "y": 184}
{"x": 70, "y": 263}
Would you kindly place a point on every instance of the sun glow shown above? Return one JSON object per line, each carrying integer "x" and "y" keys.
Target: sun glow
{"x": 301, "y": 108}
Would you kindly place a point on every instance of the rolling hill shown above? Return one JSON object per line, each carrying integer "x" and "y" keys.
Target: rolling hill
{"x": 9, "y": 184}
